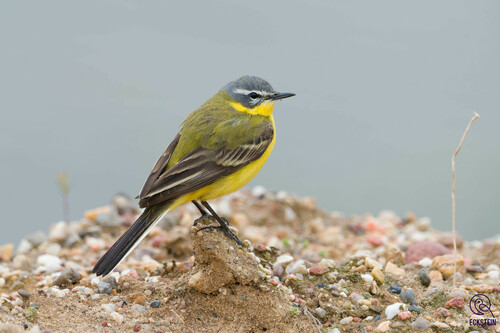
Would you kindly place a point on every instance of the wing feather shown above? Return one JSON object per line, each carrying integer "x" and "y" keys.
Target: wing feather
{"x": 203, "y": 167}
{"x": 159, "y": 166}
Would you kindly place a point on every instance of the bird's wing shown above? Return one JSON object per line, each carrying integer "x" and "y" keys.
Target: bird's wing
{"x": 202, "y": 167}
{"x": 159, "y": 167}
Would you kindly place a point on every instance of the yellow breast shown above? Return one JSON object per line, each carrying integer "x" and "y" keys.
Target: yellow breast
{"x": 230, "y": 183}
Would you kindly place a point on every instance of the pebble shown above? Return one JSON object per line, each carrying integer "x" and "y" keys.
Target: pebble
{"x": 290, "y": 214}
{"x": 395, "y": 255}
{"x": 95, "y": 244}
{"x": 139, "y": 308}
{"x": 414, "y": 308}
{"x": 115, "y": 316}
{"x": 425, "y": 262}
{"x": 458, "y": 292}
{"x": 395, "y": 289}
{"x": 346, "y": 320}
{"x": 355, "y": 298}
{"x": 78, "y": 289}
{"x": 492, "y": 267}
{"x": 111, "y": 280}
{"x": 106, "y": 216}
{"x": 56, "y": 292}
{"x": 49, "y": 263}
{"x": 424, "y": 277}
{"x": 374, "y": 240}
{"x": 494, "y": 274}
{"x": 328, "y": 263}
{"x": 125, "y": 205}
{"x": 110, "y": 307}
{"x": 377, "y": 274}
{"x": 474, "y": 268}
{"x": 456, "y": 302}
{"x": 259, "y": 191}
{"x": 24, "y": 247}
{"x": 155, "y": 304}
{"x": 283, "y": 260}
{"x": 335, "y": 330}
{"x": 439, "y": 324}
{"x": 435, "y": 276}
{"x": 445, "y": 264}
{"x": 23, "y": 293}
{"x": 318, "y": 270}
{"x": 301, "y": 269}
{"x": 2, "y": 282}
{"x": 278, "y": 271}
{"x": 425, "y": 249}
{"x": 292, "y": 267}
{"x": 58, "y": 232}
{"x": 22, "y": 262}
{"x": 392, "y": 310}
{"x": 72, "y": 239}
{"x": 53, "y": 248}
{"x": 408, "y": 296}
{"x": 67, "y": 277}
{"x": 443, "y": 312}
{"x": 421, "y": 324}
{"x": 384, "y": 326}
{"x": 372, "y": 263}
{"x": 394, "y": 270}
{"x": 374, "y": 289}
{"x": 320, "y": 312}
{"x": 31, "y": 313}
{"x": 404, "y": 315}
{"x": 36, "y": 239}
{"x": 104, "y": 288}
{"x": 6, "y": 252}
{"x": 367, "y": 278}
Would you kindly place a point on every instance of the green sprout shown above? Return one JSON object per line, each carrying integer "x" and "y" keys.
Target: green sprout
{"x": 63, "y": 185}
{"x": 286, "y": 242}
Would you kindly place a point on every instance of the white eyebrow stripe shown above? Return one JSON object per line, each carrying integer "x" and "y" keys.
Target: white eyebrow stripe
{"x": 246, "y": 92}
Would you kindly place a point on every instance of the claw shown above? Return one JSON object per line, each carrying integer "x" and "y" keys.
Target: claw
{"x": 224, "y": 224}
{"x": 224, "y": 228}
{"x": 209, "y": 227}
{"x": 203, "y": 216}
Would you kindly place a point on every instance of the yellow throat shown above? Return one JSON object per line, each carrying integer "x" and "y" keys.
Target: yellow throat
{"x": 264, "y": 109}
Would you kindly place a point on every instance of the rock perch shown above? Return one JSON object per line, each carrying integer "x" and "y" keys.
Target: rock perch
{"x": 219, "y": 261}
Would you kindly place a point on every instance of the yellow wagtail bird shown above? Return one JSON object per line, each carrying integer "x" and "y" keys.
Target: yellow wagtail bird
{"x": 221, "y": 146}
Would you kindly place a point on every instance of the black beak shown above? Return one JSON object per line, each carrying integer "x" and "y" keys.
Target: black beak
{"x": 278, "y": 96}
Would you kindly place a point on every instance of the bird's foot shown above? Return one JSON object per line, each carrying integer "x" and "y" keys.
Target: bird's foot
{"x": 202, "y": 217}
{"x": 233, "y": 236}
{"x": 225, "y": 228}
{"x": 209, "y": 227}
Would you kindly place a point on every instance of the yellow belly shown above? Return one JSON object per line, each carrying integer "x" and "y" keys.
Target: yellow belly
{"x": 230, "y": 183}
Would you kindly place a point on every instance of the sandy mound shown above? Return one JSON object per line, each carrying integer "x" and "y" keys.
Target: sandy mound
{"x": 303, "y": 270}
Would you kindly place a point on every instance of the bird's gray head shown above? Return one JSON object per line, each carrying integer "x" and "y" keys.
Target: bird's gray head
{"x": 251, "y": 91}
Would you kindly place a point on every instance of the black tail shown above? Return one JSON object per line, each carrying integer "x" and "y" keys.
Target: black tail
{"x": 129, "y": 240}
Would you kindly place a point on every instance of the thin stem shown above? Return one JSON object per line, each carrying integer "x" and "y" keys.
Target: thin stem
{"x": 453, "y": 194}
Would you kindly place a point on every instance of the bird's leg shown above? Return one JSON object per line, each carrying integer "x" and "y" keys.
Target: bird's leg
{"x": 204, "y": 213}
{"x": 223, "y": 224}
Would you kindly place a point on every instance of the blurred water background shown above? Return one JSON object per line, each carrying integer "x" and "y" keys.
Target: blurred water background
{"x": 384, "y": 91}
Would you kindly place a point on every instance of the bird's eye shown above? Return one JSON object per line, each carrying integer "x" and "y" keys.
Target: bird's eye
{"x": 254, "y": 95}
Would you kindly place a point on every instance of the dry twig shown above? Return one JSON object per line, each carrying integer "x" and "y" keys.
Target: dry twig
{"x": 315, "y": 320}
{"x": 453, "y": 194}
